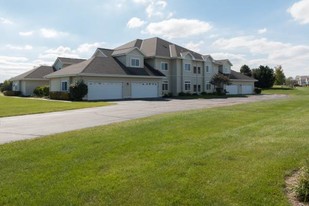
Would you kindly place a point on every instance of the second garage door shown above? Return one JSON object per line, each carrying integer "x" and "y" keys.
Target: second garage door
{"x": 232, "y": 89}
{"x": 104, "y": 90}
{"x": 144, "y": 90}
{"x": 246, "y": 89}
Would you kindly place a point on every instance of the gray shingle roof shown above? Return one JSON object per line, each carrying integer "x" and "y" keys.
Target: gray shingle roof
{"x": 104, "y": 66}
{"x": 159, "y": 47}
{"x": 36, "y": 73}
{"x": 70, "y": 61}
{"x": 239, "y": 76}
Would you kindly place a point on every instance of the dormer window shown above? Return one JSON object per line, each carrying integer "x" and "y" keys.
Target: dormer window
{"x": 135, "y": 62}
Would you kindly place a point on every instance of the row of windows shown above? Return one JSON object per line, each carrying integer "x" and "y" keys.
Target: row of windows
{"x": 187, "y": 67}
{"x": 164, "y": 66}
{"x": 196, "y": 87}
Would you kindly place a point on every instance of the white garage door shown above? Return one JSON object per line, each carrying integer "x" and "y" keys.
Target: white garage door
{"x": 104, "y": 90}
{"x": 144, "y": 89}
{"x": 246, "y": 89}
{"x": 232, "y": 89}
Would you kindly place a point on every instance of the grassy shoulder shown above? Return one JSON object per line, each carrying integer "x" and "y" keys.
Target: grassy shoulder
{"x": 12, "y": 106}
{"x": 235, "y": 155}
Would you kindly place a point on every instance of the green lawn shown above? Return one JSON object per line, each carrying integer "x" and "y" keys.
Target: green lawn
{"x": 236, "y": 155}
{"x": 12, "y": 106}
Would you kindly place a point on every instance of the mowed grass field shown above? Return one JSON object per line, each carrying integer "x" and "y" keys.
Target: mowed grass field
{"x": 237, "y": 155}
{"x": 12, "y": 106}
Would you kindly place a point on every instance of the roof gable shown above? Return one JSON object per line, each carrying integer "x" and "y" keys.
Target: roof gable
{"x": 36, "y": 73}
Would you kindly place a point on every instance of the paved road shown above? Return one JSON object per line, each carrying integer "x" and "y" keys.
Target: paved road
{"x": 38, "y": 125}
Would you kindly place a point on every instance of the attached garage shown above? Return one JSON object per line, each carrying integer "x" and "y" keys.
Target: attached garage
{"x": 144, "y": 90}
{"x": 246, "y": 89}
{"x": 104, "y": 90}
{"x": 232, "y": 89}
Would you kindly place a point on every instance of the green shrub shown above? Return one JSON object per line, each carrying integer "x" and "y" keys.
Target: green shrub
{"x": 59, "y": 95}
{"x": 181, "y": 94}
{"x": 257, "y": 90}
{"x": 167, "y": 95}
{"x": 6, "y": 86}
{"x": 302, "y": 188}
{"x": 203, "y": 93}
{"x": 78, "y": 90}
{"x": 41, "y": 91}
{"x": 11, "y": 93}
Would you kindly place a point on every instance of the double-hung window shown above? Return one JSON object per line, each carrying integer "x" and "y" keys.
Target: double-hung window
{"x": 164, "y": 66}
{"x": 194, "y": 69}
{"x": 187, "y": 67}
{"x": 187, "y": 85}
{"x": 207, "y": 69}
{"x": 165, "y": 86}
{"x": 208, "y": 86}
{"x": 64, "y": 86}
{"x": 135, "y": 62}
{"x": 198, "y": 70}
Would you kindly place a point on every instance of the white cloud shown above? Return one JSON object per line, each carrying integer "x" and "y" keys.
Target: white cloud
{"x": 194, "y": 46}
{"x": 300, "y": 11}
{"x": 13, "y": 47}
{"x": 262, "y": 31}
{"x": 89, "y": 48}
{"x": 135, "y": 23}
{"x": 51, "y": 33}
{"x": 61, "y": 51}
{"x": 173, "y": 28}
{"x": 26, "y": 33}
{"x": 155, "y": 8}
{"x": 5, "y": 21}
{"x": 82, "y": 51}
{"x": 261, "y": 51}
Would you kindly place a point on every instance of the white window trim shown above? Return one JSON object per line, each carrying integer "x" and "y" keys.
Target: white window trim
{"x": 62, "y": 85}
{"x": 164, "y": 63}
{"x": 185, "y": 83}
{"x": 139, "y": 62}
{"x": 188, "y": 70}
{"x": 208, "y": 69}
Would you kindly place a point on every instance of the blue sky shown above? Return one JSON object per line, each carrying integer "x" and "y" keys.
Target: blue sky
{"x": 256, "y": 32}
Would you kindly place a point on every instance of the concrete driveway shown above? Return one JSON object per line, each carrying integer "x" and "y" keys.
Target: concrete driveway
{"x": 38, "y": 125}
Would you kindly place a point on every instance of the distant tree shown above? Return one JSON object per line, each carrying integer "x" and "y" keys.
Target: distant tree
{"x": 6, "y": 86}
{"x": 265, "y": 77}
{"x": 218, "y": 80}
{"x": 290, "y": 82}
{"x": 244, "y": 69}
{"x": 279, "y": 76}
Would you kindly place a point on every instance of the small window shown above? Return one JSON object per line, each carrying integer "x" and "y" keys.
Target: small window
{"x": 208, "y": 86}
{"x": 199, "y": 88}
{"x": 188, "y": 67}
{"x": 198, "y": 70}
{"x": 165, "y": 86}
{"x": 194, "y": 70}
{"x": 164, "y": 66}
{"x": 207, "y": 69}
{"x": 187, "y": 85}
{"x": 64, "y": 86}
{"x": 194, "y": 88}
{"x": 135, "y": 62}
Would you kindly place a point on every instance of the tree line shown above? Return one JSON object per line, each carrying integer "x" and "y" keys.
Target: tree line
{"x": 266, "y": 76}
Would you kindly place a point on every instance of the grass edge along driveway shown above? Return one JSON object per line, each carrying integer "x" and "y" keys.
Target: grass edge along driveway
{"x": 13, "y": 106}
{"x": 236, "y": 155}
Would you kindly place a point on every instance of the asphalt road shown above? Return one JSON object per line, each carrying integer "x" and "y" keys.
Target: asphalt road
{"x": 39, "y": 125}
